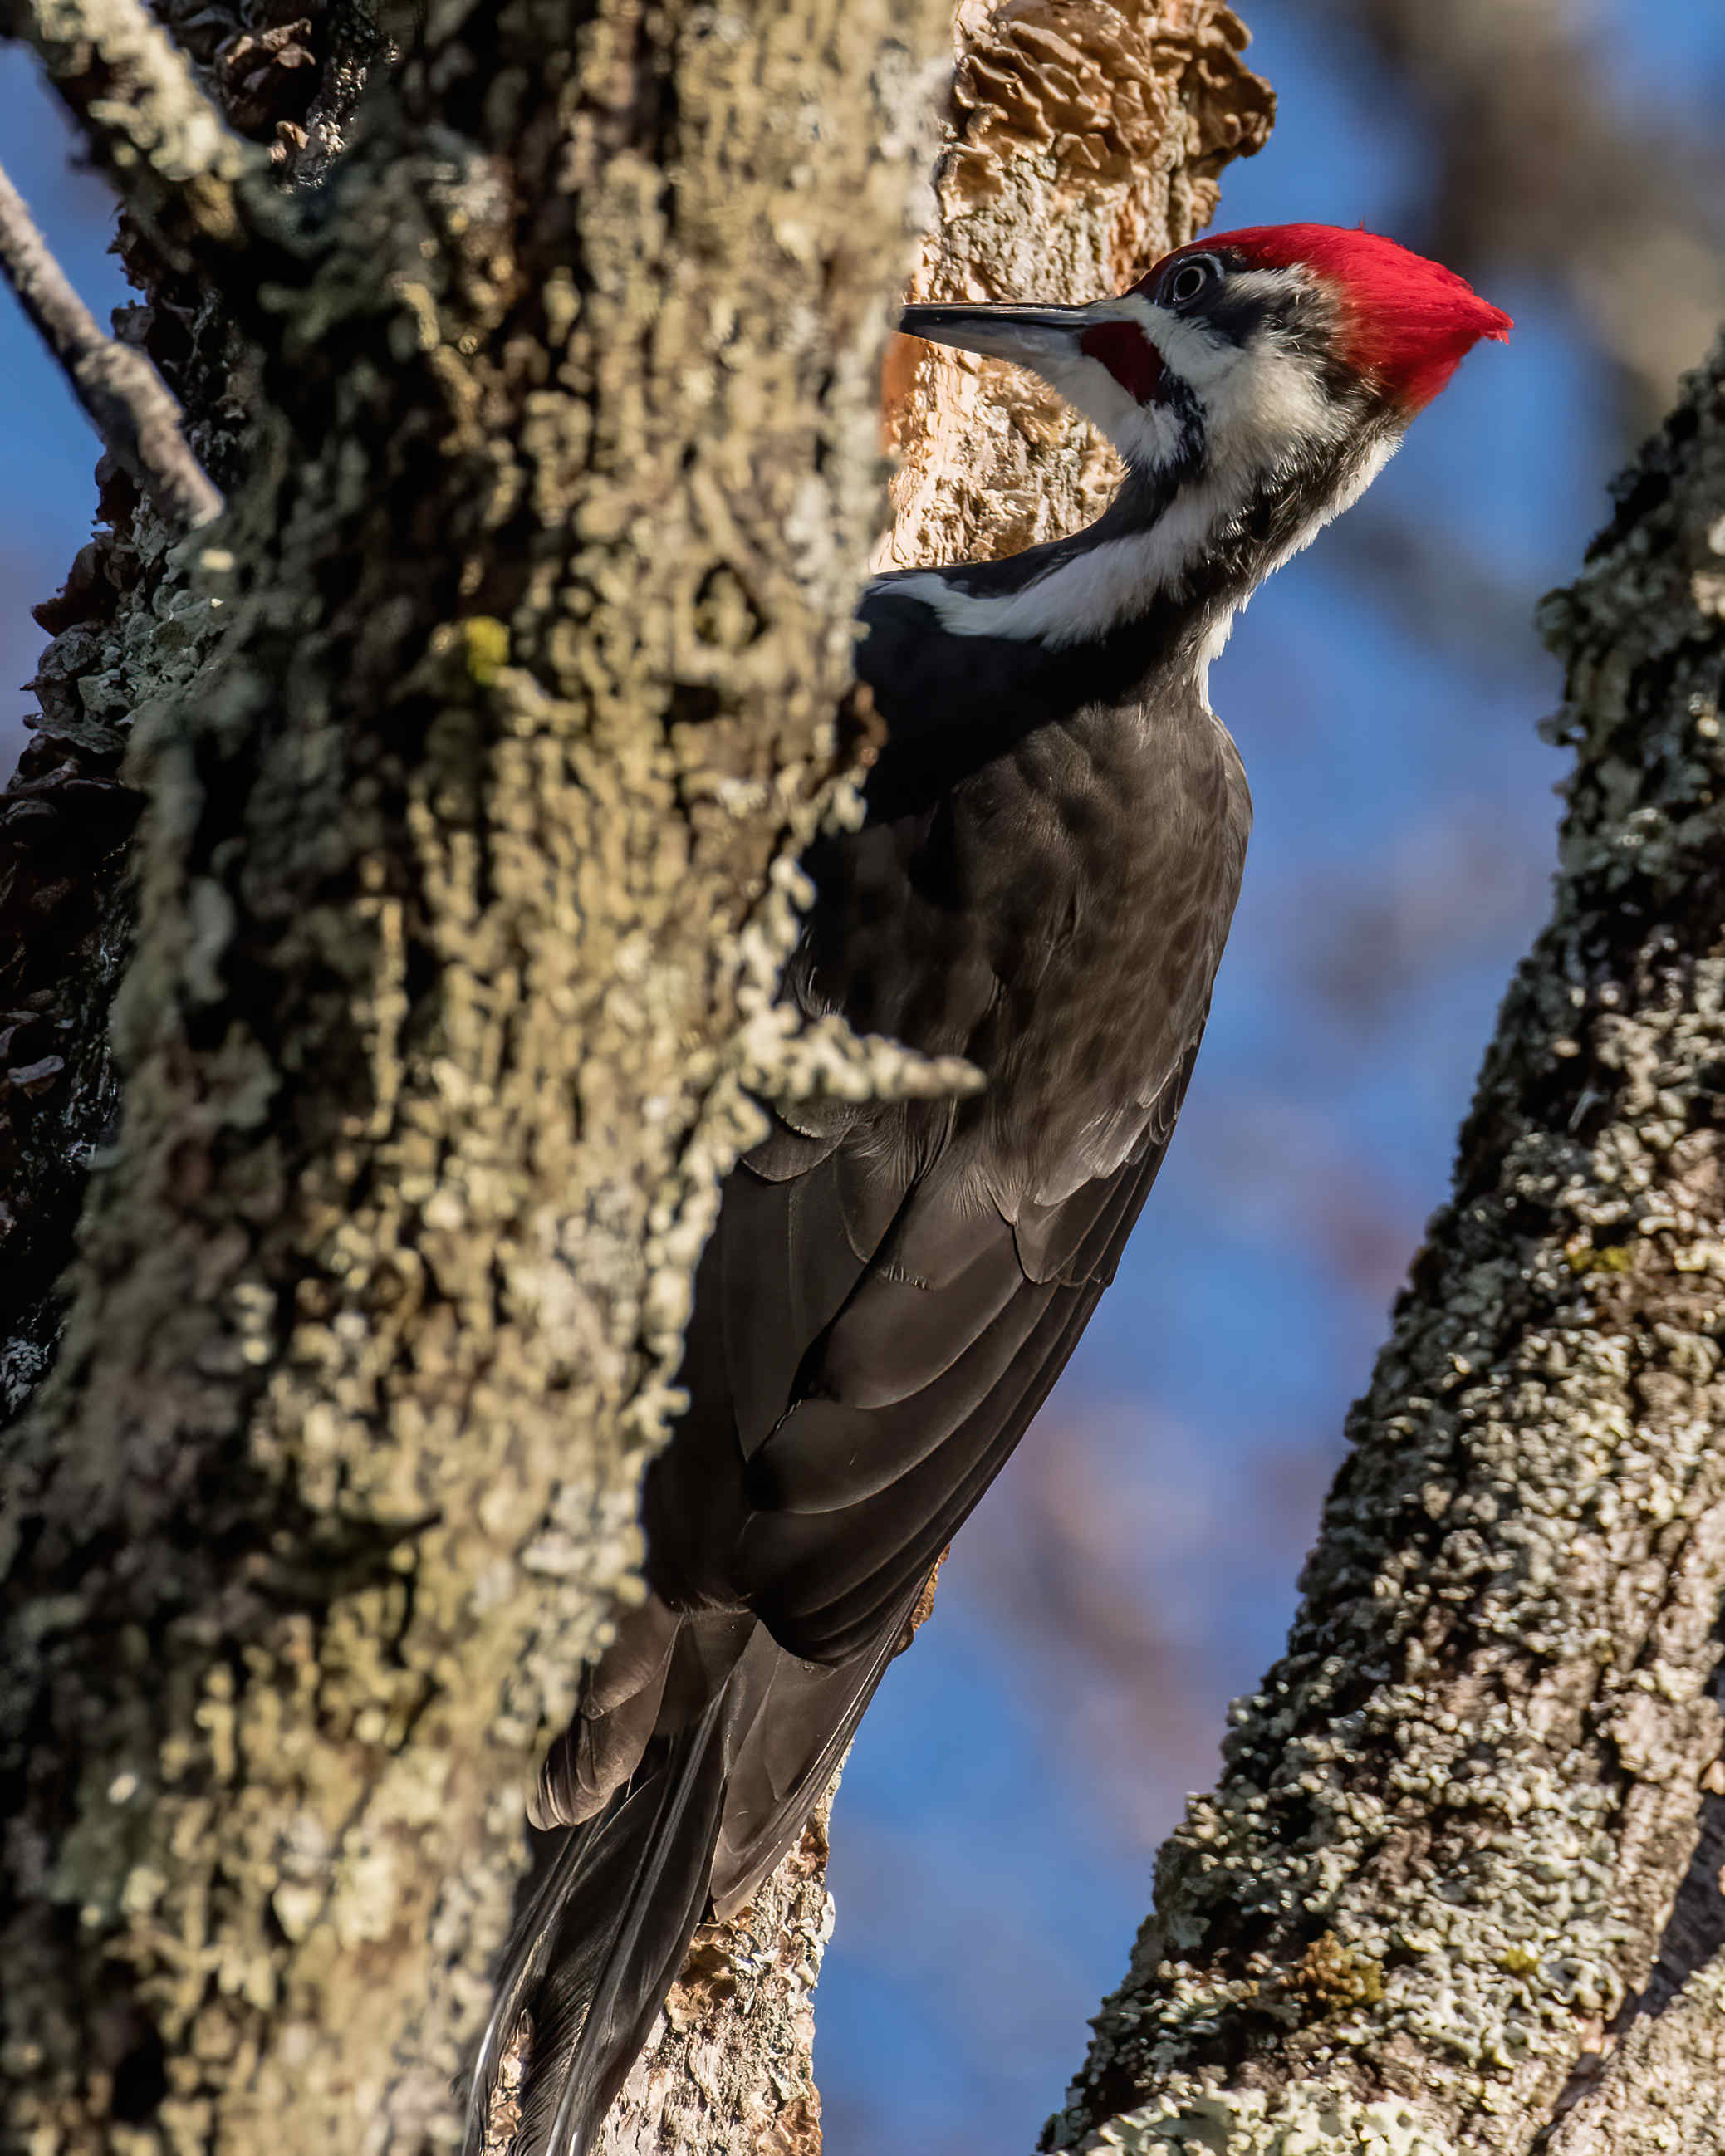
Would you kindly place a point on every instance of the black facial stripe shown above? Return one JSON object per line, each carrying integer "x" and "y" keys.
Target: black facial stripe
{"x": 1301, "y": 316}
{"x": 1223, "y": 259}
{"x": 1145, "y": 495}
{"x": 1339, "y": 381}
{"x": 1177, "y": 396}
{"x": 1238, "y": 317}
{"x": 1309, "y": 329}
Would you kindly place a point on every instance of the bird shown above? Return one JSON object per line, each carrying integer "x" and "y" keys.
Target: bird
{"x": 1054, "y": 830}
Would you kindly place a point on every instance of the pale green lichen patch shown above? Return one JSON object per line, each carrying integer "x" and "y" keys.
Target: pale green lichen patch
{"x": 1305, "y": 2122}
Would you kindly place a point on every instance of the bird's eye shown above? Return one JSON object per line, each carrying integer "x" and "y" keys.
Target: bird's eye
{"x": 1188, "y": 280}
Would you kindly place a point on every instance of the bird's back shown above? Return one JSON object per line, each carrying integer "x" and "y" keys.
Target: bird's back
{"x": 1043, "y": 885}
{"x": 892, "y": 1287}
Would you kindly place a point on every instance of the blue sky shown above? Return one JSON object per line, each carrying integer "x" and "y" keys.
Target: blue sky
{"x": 994, "y": 1837}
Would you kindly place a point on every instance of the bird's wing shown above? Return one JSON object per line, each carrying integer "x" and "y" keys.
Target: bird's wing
{"x": 934, "y": 1344}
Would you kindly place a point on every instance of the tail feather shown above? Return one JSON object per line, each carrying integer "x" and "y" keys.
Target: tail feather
{"x": 747, "y": 1737}
{"x": 804, "y": 1716}
{"x": 603, "y": 1744}
{"x": 600, "y": 1945}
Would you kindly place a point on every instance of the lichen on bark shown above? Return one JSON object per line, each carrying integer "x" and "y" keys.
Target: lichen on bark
{"x": 522, "y": 652}
{"x": 1662, "y": 2092}
{"x": 1420, "y": 1911}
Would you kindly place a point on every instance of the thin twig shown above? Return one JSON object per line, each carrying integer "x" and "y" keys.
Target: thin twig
{"x": 146, "y": 119}
{"x": 128, "y": 404}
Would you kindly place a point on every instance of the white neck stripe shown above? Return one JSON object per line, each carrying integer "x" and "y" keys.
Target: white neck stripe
{"x": 1117, "y": 580}
{"x": 1084, "y": 596}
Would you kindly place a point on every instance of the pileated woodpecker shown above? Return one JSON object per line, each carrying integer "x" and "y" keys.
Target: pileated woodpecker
{"x": 1056, "y": 830}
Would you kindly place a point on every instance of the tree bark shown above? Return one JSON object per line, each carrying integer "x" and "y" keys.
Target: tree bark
{"x": 518, "y": 656}
{"x": 1459, "y": 1888}
{"x": 479, "y": 740}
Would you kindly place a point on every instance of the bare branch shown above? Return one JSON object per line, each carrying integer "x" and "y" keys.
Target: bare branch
{"x": 148, "y": 122}
{"x": 127, "y": 402}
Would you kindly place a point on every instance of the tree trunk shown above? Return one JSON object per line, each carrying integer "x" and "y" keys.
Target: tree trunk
{"x": 479, "y": 740}
{"x": 1459, "y": 1888}
{"x": 519, "y": 659}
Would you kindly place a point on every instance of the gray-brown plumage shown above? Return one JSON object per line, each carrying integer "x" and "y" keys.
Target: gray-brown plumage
{"x": 1056, "y": 833}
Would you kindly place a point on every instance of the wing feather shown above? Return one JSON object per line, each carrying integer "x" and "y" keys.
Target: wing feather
{"x": 850, "y": 1506}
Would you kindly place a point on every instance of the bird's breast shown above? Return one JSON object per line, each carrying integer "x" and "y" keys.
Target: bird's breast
{"x": 1055, "y": 916}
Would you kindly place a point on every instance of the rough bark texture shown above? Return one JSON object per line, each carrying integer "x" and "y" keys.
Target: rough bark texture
{"x": 517, "y": 662}
{"x": 730, "y": 2066}
{"x": 1663, "y": 2093}
{"x": 1430, "y": 1906}
{"x": 1082, "y": 141}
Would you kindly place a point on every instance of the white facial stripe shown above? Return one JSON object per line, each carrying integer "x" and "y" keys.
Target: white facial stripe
{"x": 1147, "y": 435}
{"x": 1143, "y": 433}
{"x": 1189, "y": 348}
{"x": 1260, "y": 405}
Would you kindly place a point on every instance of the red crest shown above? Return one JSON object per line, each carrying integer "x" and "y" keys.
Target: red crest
{"x": 1407, "y": 321}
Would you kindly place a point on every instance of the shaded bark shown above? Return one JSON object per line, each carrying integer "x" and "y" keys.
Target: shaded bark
{"x": 517, "y": 658}
{"x": 1447, "y": 1895}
